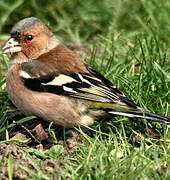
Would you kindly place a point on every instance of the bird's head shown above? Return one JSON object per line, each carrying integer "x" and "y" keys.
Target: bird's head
{"x": 31, "y": 37}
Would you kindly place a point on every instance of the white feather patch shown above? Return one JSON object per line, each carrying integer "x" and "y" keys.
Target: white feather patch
{"x": 84, "y": 80}
{"x": 86, "y": 120}
{"x": 61, "y": 80}
{"x": 127, "y": 114}
{"x": 68, "y": 89}
{"x": 25, "y": 75}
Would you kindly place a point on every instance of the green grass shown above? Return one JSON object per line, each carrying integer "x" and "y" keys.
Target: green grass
{"x": 128, "y": 42}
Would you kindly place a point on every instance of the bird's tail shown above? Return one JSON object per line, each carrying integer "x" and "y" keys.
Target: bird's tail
{"x": 140, "y": 113}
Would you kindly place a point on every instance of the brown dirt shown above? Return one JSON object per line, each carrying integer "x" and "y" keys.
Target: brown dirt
{"x": 41, "y": 141}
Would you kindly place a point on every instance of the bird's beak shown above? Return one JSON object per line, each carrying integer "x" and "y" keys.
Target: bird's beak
{"x": 11, "y": 46}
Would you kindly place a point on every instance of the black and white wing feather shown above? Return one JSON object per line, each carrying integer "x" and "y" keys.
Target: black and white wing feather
{"x": 92, "y": 88}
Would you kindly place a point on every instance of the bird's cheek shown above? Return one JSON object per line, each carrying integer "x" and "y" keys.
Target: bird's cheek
{"x": 31, "y": 51}
{"x": 36, "y": 47}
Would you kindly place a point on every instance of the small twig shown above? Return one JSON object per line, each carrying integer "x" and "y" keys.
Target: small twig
{"x": 29, "y": 132}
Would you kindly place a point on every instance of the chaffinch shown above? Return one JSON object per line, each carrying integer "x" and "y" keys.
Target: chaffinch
{"x": 48, "y": 80}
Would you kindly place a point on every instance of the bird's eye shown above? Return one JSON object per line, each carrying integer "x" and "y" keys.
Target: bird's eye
{"x": 29, "y": 37}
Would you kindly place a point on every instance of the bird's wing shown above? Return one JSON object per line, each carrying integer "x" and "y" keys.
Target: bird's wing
{"x": 90, "y": 86}
{"x": 35, "y": 69}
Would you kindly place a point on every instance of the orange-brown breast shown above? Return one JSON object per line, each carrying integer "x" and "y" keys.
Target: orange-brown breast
{"x": 50, "y": 107}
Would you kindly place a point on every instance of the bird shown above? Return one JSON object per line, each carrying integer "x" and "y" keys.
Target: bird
{"x": 48, "y": 80}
